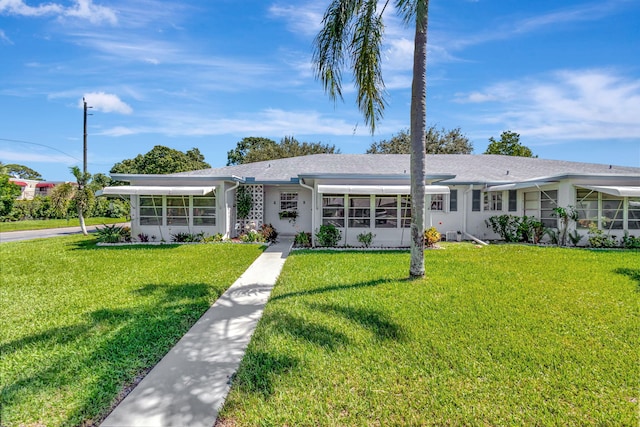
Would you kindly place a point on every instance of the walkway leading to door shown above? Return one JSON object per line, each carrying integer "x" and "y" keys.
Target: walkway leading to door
{"x": 189, "y": 385}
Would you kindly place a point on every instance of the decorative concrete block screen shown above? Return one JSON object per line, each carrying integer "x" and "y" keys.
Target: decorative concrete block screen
{"x": 256, "y": 214}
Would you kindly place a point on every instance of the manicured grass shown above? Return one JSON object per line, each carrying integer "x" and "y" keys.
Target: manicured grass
{"x": 500, "y": 335}
{"x": 80, "y": 322}
{"x": 55, "y": 223}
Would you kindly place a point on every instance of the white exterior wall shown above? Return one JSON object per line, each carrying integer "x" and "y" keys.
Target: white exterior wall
{"x": 284, "y": 226}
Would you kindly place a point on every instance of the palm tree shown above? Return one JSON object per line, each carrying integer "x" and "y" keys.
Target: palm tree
{"x": 352, "y": 31}
{"x": 81, "y": 194}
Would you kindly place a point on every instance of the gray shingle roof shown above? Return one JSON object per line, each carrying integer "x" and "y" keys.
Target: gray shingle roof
{"x": 467, "y": 168}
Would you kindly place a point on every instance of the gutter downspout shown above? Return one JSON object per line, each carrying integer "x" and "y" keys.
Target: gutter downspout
{"x": 313, "y": 210}
{"x": 228, "y": 210}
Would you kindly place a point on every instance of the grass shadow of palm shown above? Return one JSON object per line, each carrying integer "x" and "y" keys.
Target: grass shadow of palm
{"x": 119, "y": 345}
{"x": 334, "y": 288}
{"x": 375, "y": 321}
{"x": 632, "y": 273}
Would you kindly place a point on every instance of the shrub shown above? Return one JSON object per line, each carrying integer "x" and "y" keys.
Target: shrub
{"x": 269, "y": 233}
{"x": 366, "y": 238}
{"x": 144, "y": 238}
{"x": 218, "y": 237}
{"x": 187, "y": 237}
{"x": 302, "y": 239}
{"x": 252, "y": 236}
{"x": 431, "y": 237}
{"x": 328, "y": 235}
{"x": 630, "y": 242}
{"x": 597, "y": 238}
{"x": 113, "y": 234}
{"x": 507, "y": 226}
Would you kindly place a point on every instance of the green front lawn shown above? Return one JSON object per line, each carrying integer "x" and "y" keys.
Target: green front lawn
{"x": 41, "y": 224}
{"x": 500, "y": 335}
{"x": 80, "y": 322}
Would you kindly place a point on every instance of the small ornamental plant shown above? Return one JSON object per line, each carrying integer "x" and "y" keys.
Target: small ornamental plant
{"x": 366, "y": 238}
{"x": 431, "y": 237}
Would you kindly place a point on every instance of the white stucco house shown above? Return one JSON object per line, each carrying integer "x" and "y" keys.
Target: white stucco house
{"x": 361, "y": 193}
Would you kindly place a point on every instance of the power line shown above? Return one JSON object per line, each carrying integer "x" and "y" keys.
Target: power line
{"x": 41, "y": 145}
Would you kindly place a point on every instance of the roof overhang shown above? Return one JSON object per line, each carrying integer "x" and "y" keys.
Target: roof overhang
{"x": 174, "y": 178}
{"x": 618, "y": 190}
{"x": 378, "y": 189}
{"x": 518, "y": 185}
{"x": 155, "y": 190}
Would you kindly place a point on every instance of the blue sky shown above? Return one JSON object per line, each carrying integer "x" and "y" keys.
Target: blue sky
{"x": 205, "y": 74}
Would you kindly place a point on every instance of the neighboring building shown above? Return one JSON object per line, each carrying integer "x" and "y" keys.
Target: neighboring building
{"x": 32, "y": 188}
{"x": 361, "y": 193}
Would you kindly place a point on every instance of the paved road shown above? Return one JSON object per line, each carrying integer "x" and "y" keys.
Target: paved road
{"x": 12, "y": 236}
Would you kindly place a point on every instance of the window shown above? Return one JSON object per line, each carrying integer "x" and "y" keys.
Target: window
{"x": 475, "y": 200}
{"x": 150, "y": 210}
{"x": 204, "y": 210}
{"x": 405, "y": 211}
{"x": 177, "y": 210}
{"x": 493, "y": 201}
{"x": 386, "y": 211}
{"x": 513, "y": 200}
{"x": 634, "y": 214}
{"x": 548, "y": 202}
{"x": 587, "y": 207}
{"x": 360, "y": 211}
{"x": 453, "y": 201}
{"x": 612, "y": 212}
{"x": 437, "y": 202}
{"x": 288, "y": 201}
{"x": 333, "y": 210}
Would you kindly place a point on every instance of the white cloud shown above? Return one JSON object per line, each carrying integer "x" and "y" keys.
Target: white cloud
{"x": 25, "y": 157}
{"x": 83, "y": 9}
{"x": 303, "y": 19}
{"x": 4, "y": 38}
{"x": 106, "y": 102}
{"x": 567, "y": 104}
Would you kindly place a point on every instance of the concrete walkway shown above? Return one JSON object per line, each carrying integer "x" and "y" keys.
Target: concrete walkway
{"x": 190, "y": 384}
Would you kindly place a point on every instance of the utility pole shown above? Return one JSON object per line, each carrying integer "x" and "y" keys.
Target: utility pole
{"x": 84, "y": 152}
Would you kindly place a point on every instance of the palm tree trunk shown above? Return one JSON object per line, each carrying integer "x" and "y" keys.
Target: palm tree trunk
{"x": 83, "y": 226}
{"x": 418, "y": 135}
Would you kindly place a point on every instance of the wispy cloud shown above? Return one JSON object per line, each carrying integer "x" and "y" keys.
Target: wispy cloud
{"x": 82, "y": 9}
{"x": 265, "y": 122}
{"x": 4, "y": 38}
{"x": 567, "y": 104}
{"x": 305, "y": 19}
{"x": 106, "y": 102}
{"x": 536, "y": 23}
{"x": 25, "y": 157}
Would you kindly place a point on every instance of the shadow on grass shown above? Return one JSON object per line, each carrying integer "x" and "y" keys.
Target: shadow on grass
{"x": 114, "y": 346}
{"x": 333, "y": 288}
{"x": 93, "y": 245}
{"x": 632, "y": 273}
{"x": 374, "y": 321}
{"x": 259, "y": 369}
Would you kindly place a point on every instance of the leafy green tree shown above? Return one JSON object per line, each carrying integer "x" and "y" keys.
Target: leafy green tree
{"x": 99, "y": 181}
{"x": 162, "y": 160}
{"x": 508, "y": 145}
{"x": 438, "y": 142}
{"x": 255, "y": 149}
{"x": 65, "y": 195}
{"x": 21, "y": 171}
{"x": 8, "y": 193}
{"x": 352, "y": 35}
